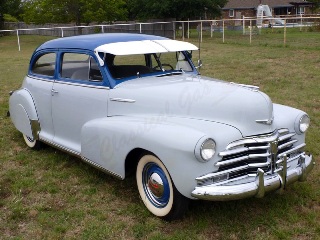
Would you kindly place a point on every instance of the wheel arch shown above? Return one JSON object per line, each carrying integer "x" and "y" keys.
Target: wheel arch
{"x": 132, "y": 160}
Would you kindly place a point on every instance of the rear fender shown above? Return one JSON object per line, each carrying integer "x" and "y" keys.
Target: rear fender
{"x": 23, "y": 113}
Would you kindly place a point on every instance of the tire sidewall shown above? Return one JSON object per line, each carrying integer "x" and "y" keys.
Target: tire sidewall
{"x": 158, "y": 211}
{"x": 30, "y": 143}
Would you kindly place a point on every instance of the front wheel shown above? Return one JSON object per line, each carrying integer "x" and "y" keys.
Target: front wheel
{"x": 31, "y": 143}
{"x": 157, "y": 191}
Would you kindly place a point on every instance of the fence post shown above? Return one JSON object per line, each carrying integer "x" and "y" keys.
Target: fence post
{"x": 61, "y": 32}
{"x": 182, "y": 31}
{"x": 140, "y": 28}
{"x": 223, "y": 31}
{"x": 174, "y": 30}
{"x": 188, "y": 29}
{"x": 18, "y": 40}
{"x": 201, "y": 31}
{"x": 243, "y": 26}
{"x": 250, "y": 31}
{"x": 102, "y": 29}
{"x": 285, "y": 32}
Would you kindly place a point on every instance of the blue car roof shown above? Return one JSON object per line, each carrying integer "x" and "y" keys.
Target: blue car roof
{"x": 92, "y": 41}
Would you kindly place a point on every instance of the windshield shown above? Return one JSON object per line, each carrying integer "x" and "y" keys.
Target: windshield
{"x": 137, "y": 65}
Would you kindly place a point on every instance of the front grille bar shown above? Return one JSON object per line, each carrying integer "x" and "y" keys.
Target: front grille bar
{"x": 244, "y": 156}
{"x": 292, "y": 150}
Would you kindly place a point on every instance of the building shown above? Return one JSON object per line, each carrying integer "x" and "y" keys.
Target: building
{"x": 236, "y": 9}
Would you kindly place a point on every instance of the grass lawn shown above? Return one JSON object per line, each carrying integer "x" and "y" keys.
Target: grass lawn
{"x": 48, "y": 194}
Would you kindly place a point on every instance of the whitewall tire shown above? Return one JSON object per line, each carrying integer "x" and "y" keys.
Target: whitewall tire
{"x": 31, "y": 143}
{"x": 157, "y": 191}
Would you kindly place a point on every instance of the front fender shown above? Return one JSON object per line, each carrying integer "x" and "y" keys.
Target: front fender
{"x": 108, "y": 141}
{"x": 23, "y": 113}
{"x": 286, "y": 117}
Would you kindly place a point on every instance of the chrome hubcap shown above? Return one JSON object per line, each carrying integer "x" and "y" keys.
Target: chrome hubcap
{"x": 155, "y": 185}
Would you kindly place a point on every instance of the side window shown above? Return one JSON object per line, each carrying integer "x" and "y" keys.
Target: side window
{"x": 182, "y": 63}
{"x": 137, "y": 59}
{"x": 80, "y": 67}
{"x": 45, "y": 65}
{"x": 128, "y": 66}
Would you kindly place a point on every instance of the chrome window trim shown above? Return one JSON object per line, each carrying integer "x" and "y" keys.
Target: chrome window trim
{"x": 82, "y": 84}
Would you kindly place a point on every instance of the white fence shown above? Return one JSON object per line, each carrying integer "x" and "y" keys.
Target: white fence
{"x": 174, "y": 29}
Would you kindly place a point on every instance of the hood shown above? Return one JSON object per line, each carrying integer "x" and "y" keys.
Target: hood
{"x": 185, "y": 96}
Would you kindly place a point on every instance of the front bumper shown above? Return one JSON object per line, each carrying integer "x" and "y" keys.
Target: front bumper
{"x": 263, "y": 183}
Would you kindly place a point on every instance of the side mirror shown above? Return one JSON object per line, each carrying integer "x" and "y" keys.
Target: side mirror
{"x": 199, "y": 64}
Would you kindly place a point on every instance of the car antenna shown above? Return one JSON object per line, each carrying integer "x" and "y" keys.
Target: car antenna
{"x": 199, "y": 46}
{"x": 199, "y": 42}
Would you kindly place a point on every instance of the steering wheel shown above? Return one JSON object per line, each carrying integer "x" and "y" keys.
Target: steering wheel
{"x": 157, "y": 68}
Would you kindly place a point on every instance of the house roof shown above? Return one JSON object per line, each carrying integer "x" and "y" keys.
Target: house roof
{"x": 248, "y": 4}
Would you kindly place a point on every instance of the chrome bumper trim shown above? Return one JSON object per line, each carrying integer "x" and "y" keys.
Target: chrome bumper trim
{"x": 262, "y": 184}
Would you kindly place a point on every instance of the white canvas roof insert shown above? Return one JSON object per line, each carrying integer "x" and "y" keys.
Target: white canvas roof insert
{"x": 143, "y": 47}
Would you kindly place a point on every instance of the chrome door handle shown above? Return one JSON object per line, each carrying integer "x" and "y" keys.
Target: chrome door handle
{"x": 53, "y": 92}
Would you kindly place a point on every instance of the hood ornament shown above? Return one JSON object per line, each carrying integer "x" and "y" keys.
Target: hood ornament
{"x": 266, "y": 121}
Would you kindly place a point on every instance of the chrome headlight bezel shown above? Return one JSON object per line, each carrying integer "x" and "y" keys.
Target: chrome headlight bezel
{"x": 205, "y": 149}
{"x": 302, "y": 123}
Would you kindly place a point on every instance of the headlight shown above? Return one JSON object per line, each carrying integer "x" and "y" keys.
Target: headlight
{"x": 302, "y": 124}
{"x": 205, "y": 150}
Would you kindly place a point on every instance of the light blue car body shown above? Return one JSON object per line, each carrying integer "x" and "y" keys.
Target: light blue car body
{"x": 108, "y": 123}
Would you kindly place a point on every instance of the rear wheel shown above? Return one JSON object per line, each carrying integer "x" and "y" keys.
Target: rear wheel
{"x": 157, "y": 191}
{"x": 31, "y": 143}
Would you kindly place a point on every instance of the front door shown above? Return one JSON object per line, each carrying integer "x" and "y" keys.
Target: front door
{"x": 78, "y": 97}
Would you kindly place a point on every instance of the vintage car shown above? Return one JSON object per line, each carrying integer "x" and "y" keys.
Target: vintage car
{"x": 129, "y": 103}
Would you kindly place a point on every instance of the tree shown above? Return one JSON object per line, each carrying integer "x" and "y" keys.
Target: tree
{"x": 179, "y": 9}
{"x": 316, "y": 4}
{"x": 9, "y": 8}
{"x": 77, "y": 11}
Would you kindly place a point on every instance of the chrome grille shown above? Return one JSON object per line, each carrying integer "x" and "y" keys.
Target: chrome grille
{"x": 245, "y": 156}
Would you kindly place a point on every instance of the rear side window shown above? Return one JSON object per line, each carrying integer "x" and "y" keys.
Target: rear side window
{"x": 45, "y": 65}
{"x": 80, "y": 66}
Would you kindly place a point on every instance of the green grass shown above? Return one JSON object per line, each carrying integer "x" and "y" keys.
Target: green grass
{"x": 48, "y": 194}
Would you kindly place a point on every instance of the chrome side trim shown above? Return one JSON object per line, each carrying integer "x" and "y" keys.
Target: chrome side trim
{"x": 62, "y": 148}
{"x": 122, "y": 100}
{"x": 69, "y": 83}
{"x": 99, "y": 167}
{"x": 77, "y": 154}
{"x": 81, "y": 85}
